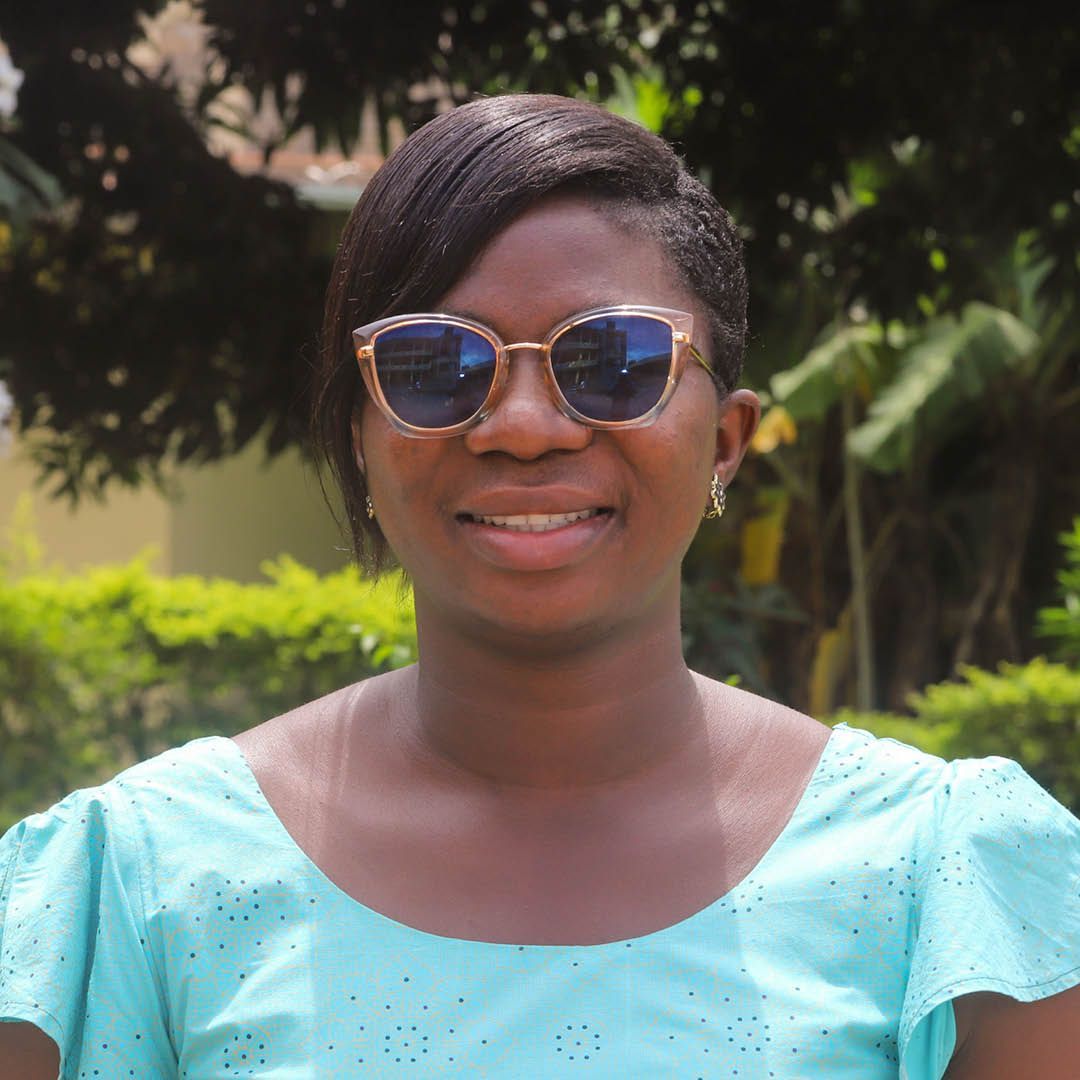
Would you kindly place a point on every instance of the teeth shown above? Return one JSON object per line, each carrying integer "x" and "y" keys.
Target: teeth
{"x": 535, "y": 522}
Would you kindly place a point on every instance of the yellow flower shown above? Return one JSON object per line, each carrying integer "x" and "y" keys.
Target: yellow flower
{"x": 776, "y": 427}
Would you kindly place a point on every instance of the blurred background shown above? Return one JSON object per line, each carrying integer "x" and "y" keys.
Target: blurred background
{"x": 902, "y": 547}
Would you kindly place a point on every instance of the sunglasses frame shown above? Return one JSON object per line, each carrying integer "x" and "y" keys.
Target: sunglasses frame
{"x": 680, "y": 322}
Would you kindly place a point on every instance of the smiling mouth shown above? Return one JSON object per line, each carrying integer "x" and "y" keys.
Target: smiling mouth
{"x": 534, "y": 522}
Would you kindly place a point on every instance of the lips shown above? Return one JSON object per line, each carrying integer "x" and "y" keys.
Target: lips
{"x": 534, "y": 523}
{"x": 537, "y": 540}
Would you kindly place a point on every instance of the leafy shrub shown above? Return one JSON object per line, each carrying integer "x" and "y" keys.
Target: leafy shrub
{"x": 1062, "y": 623}
{"x": 101, "y": 670}
{"x": 1029, "y": 712}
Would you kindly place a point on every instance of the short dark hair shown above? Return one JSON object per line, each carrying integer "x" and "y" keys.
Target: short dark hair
{"x": 446, "y": 192}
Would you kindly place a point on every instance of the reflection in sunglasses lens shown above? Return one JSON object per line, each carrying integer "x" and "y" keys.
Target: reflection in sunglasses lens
{"x": 611, "y": 368}
{"x": 614, "y": 367}
{"x": 434, "y": 375}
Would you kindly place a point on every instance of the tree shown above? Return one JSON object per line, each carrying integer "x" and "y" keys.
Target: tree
{"x": 179, "y": 297}
{"x": 893, "y": 167}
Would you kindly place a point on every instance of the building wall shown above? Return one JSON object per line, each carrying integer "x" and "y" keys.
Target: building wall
{"x": 220, "y": 520}
{"x": 127, "y": 524}
{"x": 234, "y": 514}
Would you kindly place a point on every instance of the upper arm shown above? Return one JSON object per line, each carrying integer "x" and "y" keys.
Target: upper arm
{"x": 28, "y": 1052}
{"x": 999, "y": 1038}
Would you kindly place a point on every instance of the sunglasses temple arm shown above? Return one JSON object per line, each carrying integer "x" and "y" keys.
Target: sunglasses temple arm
{"x": 702, "y": 361}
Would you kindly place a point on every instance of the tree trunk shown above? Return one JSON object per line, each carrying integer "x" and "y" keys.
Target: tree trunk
{"x": 989, "y": 632}
{"x": 860, "y": 587}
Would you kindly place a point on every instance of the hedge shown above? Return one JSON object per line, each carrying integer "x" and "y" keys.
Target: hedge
{"x": 1029, "y": 712}
{"x": 1061, "y": 624}
{"x": 101, "y": 670}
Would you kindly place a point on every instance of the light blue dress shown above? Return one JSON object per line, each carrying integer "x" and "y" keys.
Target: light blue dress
{"x": 166, "y": 925}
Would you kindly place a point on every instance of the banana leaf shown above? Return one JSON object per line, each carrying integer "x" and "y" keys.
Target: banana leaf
{"x": 957, "y": 363}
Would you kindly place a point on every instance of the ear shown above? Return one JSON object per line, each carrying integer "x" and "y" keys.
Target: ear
{"x": 358, "y": 448}
{"x": 739, "y": 416}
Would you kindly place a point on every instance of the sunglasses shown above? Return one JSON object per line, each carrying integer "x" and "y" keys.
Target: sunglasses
{"x": 439, "y": 375}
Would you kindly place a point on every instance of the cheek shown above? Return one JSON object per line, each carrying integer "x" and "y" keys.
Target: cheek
{"x": 678, "y": 453}
{"x": 389, "y": 459}
{"x": 399, "y": 471}
{"x": 408, "y": 480}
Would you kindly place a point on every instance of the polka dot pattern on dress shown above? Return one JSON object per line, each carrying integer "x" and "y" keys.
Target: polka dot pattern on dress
{"x": 220, "y": 950}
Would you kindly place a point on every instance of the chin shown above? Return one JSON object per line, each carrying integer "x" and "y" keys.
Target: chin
{"x": 542, "y": 617}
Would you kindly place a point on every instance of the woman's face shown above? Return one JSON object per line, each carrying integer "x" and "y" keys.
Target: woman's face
{"x": 649, "y": 484}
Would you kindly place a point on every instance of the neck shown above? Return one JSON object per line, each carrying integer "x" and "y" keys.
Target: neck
{"x": 581, "y": 715}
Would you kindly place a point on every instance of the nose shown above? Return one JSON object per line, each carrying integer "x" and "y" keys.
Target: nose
{"x": 526, "y": 423}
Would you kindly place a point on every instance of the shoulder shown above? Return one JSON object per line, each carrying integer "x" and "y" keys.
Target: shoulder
{"x": 330, "y": 745}
{"x": 283, "y": 738}
{"x": 332, "y": 717}
{"x": 116, "y": 832}
{"x": 953, "y": 793}
{"x": 994, "y": 917}
{"x": 104, "y": 809}
{"x": 997, "y": 928}
{"x": 1008, "y": 820}
{"x": 758, "y": 728}
{"x": 75, "y": 926}
{"x": 969, "y": 819}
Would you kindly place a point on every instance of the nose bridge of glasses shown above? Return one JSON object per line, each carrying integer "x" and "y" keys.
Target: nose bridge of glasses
{"x": 538, "y": 345}
{"x": 525, "y": 376}
{"x": 526, "y": 386}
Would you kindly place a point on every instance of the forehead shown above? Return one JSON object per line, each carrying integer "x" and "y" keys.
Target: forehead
{"x": 562, "y": 256}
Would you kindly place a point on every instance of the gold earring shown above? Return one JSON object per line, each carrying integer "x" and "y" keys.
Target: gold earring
{"x": 369, "y": 506}
{"x": 717, "y": 498}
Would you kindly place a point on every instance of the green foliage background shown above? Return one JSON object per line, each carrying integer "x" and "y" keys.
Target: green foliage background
{"x": 101, "y": 670}
{"x": 1028, "y": 712}
{"x": 1061, "y": 623}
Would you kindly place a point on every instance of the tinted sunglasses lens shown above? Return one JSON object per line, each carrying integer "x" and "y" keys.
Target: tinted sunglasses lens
{"x": 434, "y": 375}
{"x": 613, "y": 367}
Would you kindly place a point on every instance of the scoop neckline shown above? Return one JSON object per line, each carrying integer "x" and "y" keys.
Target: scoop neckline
{"x": 682, "y": 925}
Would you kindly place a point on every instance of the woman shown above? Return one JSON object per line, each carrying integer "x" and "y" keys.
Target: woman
{"x": 548, "y": 848}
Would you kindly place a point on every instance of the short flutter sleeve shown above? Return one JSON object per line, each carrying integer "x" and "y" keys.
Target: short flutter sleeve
{"x": 73, "y": 957}
{"x": 998, "y": 906}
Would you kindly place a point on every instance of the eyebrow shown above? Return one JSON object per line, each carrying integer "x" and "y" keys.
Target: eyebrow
{"x": 472, "y": 316}
{"x": 465, "y": 313}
